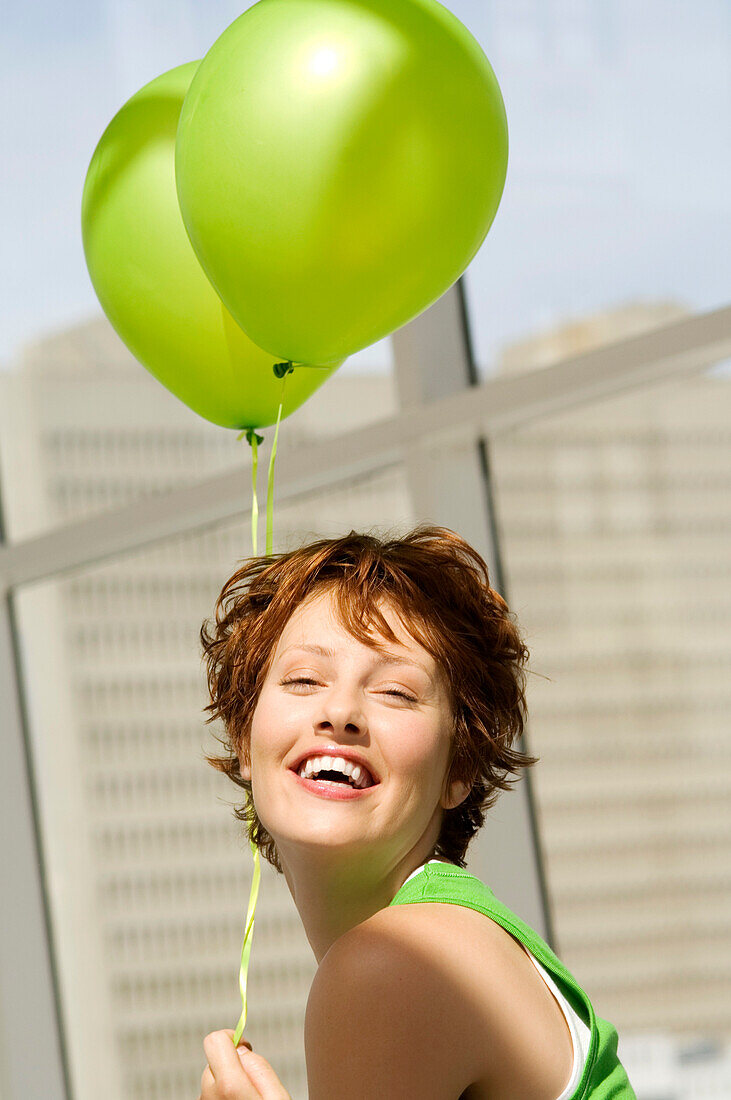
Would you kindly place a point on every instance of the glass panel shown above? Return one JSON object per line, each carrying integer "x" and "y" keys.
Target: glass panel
{"x": 616, "y": 189}
{"x": 614, "y": 522}
{"x": 148, "y": 871}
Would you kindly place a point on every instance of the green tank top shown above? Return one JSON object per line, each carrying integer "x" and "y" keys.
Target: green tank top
{"x": 603, "y": 1077}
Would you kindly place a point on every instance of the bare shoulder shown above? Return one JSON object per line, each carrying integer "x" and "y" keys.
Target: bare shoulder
{"x": 388, "y": 1016}
{"x": 461, "y": 990}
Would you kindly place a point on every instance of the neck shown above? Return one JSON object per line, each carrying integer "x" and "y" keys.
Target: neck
{"x": 331, "y": 898}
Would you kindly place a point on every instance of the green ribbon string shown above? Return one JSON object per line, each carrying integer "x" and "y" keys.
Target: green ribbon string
{"x": 270, "y": 483}
{"x": 253, "y": 439}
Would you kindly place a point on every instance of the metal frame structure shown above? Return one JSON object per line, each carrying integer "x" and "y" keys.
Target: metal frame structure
{"x": 440, "y": 434}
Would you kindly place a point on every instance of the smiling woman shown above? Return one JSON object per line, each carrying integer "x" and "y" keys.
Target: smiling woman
{"x": 463, "y": 628}
{"x": 371, "y": 691}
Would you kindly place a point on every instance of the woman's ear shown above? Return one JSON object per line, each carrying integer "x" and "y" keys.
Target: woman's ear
{"x": 456, "y": 790}
{"x": 457, "y": 793}
{"x": 244, "y": 768}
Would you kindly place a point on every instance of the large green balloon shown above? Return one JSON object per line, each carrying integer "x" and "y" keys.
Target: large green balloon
{"x": 148, "y": 279}
{"x": 338, "y": 164}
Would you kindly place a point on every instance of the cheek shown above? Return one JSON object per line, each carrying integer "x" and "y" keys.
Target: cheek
{"x": 417, "y": 752}
{"x": 271, "y": 725}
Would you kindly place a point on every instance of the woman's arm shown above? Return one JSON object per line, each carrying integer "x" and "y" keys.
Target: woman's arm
{"x": 385, "y": 1019}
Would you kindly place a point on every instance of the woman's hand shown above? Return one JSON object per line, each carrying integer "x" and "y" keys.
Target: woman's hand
{"x": 236, "y": 1073}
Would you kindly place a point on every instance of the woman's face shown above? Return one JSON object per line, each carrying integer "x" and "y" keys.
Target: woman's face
{"x": 351, "y": 698}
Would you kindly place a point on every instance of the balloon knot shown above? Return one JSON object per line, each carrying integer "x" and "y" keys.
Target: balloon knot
{"x": 251, "y": 436}
{"x": 280, "y": 369}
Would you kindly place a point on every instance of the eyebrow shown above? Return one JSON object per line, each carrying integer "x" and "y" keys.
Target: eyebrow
{"x": 382, "y": 659}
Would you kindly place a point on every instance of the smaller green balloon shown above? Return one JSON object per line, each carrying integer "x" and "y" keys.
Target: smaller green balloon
{"x": 150, "y": 284}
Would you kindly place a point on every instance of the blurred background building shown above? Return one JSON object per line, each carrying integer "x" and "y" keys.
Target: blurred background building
{"x": 614, "y": 527}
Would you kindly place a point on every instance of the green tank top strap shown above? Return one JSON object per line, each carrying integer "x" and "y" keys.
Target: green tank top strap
{"x": 603, "y": 1076}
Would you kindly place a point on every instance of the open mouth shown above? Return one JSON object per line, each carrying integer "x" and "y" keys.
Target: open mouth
{"x": 331, "y": 769}
{"x": 338, "y": 777}
{"x": 333, "y": 784}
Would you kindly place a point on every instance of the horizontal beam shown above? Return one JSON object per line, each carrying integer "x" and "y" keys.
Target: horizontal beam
{"x": 498, "y": 404}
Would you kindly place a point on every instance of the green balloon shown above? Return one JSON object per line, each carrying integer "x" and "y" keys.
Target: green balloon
{"x": 149, "y": 282}
{"x": 338, "y": 165}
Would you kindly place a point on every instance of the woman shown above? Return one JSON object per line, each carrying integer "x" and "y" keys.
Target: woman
{"x": 371, "y": 691}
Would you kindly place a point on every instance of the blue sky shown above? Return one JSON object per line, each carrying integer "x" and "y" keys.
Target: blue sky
{"x": 619, "y": 116}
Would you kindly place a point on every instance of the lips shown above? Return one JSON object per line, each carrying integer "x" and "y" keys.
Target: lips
{"x": 334, "y": 750}
{"x": 338, "y": 792}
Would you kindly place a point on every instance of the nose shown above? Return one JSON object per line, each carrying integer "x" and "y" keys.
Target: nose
{"x": 341, "y": 712}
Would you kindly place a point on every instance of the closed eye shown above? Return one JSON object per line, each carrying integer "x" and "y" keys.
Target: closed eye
{"x": 302, "y": 680}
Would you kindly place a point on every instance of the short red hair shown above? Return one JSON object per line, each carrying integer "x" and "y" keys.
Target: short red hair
{"x": 440, "y": 585}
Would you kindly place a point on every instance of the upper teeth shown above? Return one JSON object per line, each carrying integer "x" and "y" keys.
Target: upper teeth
{"x": 317, "y": 764}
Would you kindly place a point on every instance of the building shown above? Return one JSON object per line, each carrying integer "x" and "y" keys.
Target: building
{"x": 613, "y": 532}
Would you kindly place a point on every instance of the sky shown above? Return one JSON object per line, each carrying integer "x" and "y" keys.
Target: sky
{"x": 619, "y": 118}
